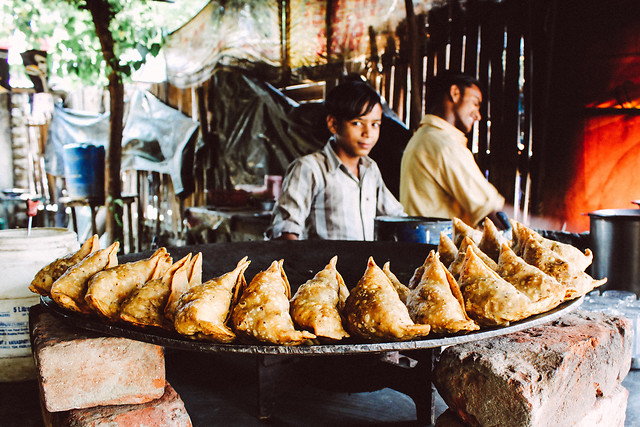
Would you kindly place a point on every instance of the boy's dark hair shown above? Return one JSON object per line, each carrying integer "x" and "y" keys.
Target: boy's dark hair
{"x": 351, "y": 99}
{"x": 438, "y": 87}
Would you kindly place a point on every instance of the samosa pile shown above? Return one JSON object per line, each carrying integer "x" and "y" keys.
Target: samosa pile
{"x": 476, "y": 279}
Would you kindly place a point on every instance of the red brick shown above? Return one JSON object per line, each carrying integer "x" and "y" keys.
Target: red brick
{"x": 607, "y": 412}
{"x": 552, "y": 374}
{"x": 81, "y": 369}
{"x": 167, "y": 411}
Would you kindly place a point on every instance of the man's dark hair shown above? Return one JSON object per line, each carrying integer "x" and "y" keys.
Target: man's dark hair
{"x": 351, "y": 99}
{"x": 438, "y": 86}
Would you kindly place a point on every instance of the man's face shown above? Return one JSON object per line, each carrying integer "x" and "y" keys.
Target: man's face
{"x": 356, "y": 137}
{"x": 466, "y": 107}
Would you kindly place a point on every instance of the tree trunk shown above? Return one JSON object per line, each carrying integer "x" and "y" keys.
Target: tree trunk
{"x": 102, "y": 16}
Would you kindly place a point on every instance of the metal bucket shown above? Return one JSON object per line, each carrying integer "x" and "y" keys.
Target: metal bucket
{"x": 615, "y": 242}
{"x": 418, "y": 229}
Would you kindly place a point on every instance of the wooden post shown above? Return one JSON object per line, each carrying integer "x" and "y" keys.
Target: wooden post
{"x": 102, "y": 16}
{"x": 415, "y": 63}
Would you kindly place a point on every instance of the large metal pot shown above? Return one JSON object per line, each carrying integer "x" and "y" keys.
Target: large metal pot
{"x": 615, "y": 241}
{"x": 418, "y": 229}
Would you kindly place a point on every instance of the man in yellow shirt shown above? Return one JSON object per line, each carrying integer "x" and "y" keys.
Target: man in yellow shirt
{"x": 439, "y": 176}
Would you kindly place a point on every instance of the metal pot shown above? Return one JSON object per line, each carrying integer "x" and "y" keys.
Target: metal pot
{"x": 418, "y": 229}
{"x": 615, "y": 241}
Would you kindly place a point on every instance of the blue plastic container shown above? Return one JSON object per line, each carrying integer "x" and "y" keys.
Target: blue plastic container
{"x": 418, "y": 229}
{"x": 84, "y": 171}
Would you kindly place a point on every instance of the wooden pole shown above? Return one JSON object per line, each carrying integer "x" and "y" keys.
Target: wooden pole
{"x": 415, "y": 63}
{"x": 102, "y": 16}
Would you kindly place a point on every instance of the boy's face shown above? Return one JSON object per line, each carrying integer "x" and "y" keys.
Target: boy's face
{"x": 356, "y": 137}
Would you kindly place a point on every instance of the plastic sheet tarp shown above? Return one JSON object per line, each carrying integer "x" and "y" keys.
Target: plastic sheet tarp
{"x": 232, "y": 33}
{"x": 159, "y": 138}
{"x": 223, "y": 33}
{"x": 73, "y": 127}
{"x": 155, "y": 138}
{"x": 257, "y": 131}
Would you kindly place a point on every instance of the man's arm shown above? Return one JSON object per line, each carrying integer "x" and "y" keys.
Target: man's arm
{"x": 535, "y": 221}
{"x": 287, "y": 236}
{"x": 500, "y": 220}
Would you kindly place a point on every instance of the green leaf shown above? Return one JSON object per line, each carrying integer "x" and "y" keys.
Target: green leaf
{"x": 155, "y": 49}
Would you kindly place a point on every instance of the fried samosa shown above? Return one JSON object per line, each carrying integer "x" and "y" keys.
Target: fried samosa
{"x": 544, "y": 291}
{"x": 462, "y": 230}
{"x": 41, "y": 283}
{"x": 70, "y": 288}
{"x": 189, "y": 277}
{"x": 568, "y": 252}
{"x": 519, "y": 234}
{"x": 317, "y": 304}
{"x": 262, "y": 312}
{"x": 491, "y": 241}
{"x": 456, "y": 266}
{"x": 373, "y": 310}
{"x": 403, "y": 291}
{"x": 437, "y": 300}
{"x": 446, "y": 250}
{"x": 145, "y": 306}
{"x": 203, "y": 310}
{"x": 417, "y": 275}
{"x": 489, "y": 299}
{"x": 109, "y": 288}
{"x": 574, "y": 281}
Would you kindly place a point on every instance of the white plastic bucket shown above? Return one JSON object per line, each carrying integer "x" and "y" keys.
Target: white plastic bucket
{"x": 21, "y": 257}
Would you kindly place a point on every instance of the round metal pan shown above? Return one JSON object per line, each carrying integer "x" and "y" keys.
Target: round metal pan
{"x": 302, "y": 260}
{"x": 173, "y": 340}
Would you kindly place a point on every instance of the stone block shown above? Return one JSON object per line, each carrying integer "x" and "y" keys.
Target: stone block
{"x": 546, "y": 375}
{"x": 81, "y": 369}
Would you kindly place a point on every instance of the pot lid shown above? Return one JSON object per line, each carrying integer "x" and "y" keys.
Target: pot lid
{"x": 616, "y": 213}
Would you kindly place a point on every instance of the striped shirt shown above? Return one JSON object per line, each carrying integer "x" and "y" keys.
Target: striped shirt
{"x": 321, "y": 199}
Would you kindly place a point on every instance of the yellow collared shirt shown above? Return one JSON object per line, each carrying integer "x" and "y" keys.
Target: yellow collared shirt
{"x": 440, "y": 178}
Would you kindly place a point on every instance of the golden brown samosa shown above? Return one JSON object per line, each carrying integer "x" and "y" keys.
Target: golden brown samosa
{"x": 317, "y": 304}
{"x": 109, "y": 288}
{"x": 544, "y": 291}
{"x": 568, "y": 252}
{"x": 462, "y": 230}
{"x": 489, "y": 299}
{"x": 417, "y": 275}
{"x": 491, "y": 241}
{"x": 574, "y": 281}
{"x": 41, "y": 283}
{"x": 373, "y": 310}
{"x": 145, "y": 305}
{"x": 446, "y": 250}
{"x": 519, "y": 234}
{"x": 456, "y": 266}
{"x": 437, "y": 300}
{"x": 186, "y": 279}
{"x": 203, "y": 310}
{"x": 262, "y": 312}
{"x": 403, "y": 291}
{"x": 70, "y": 288}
